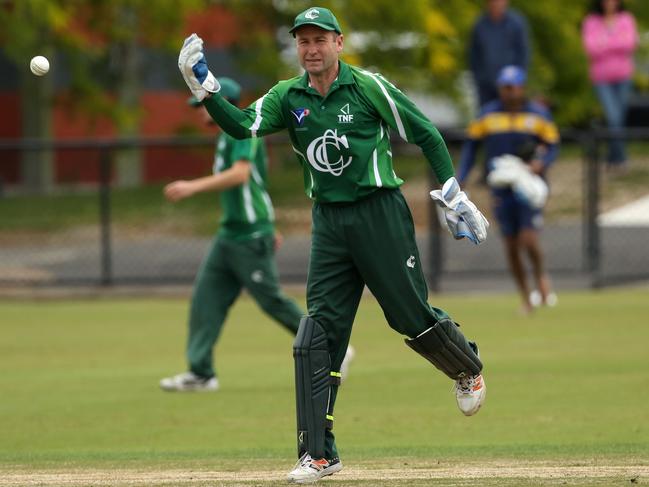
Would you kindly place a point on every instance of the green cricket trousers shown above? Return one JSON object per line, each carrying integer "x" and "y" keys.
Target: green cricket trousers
{"x": 370, "y": 242}
{"x": 229, "y": 267}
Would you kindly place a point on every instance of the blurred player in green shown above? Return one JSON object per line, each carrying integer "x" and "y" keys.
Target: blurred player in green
{"x": 242, "y": 256}
{"x": 339, "y": 119}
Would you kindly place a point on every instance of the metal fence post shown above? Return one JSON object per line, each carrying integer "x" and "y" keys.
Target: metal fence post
{"x": 435, "y": 250}
{"x": 591, "y": 209}
{"x": 105, "y": 159}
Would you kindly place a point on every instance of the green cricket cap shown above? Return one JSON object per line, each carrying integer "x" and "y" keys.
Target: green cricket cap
{"x": 318, "y": 16}
{"x": 230, "y": 90}
{"x": 192, "y": 101}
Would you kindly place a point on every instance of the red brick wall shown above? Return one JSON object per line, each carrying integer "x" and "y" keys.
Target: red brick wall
{"x": 163, "y": 113}
{"x": 10, "y": 128}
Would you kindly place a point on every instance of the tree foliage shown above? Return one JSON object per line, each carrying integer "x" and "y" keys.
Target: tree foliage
{"x": 92, "y": 38}
{"x": 418, "y": 43}
{"x": 422, "y": 44}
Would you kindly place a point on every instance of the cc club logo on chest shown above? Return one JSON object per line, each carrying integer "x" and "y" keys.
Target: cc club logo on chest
{"x": 345, "y": 116}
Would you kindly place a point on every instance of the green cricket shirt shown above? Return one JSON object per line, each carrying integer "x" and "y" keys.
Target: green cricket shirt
{"x": 247, "y": 209}
{"x": 341, "y": 139}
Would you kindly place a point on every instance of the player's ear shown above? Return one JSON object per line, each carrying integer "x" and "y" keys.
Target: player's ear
{"x": 339, "y": 43}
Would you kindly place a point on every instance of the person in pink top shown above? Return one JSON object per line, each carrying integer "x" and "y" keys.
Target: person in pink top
{"x": 610, "y": 37}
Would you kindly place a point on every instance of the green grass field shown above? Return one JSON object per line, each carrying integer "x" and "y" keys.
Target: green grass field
{"x": 568, "y": 390}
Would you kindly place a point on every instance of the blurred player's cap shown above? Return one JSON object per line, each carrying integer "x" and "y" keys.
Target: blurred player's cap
{"x": 192, "y": 101}
{"x": 318, "y": 16}
{"x": 511, "y": 76}
{"x": 230, "y": 90}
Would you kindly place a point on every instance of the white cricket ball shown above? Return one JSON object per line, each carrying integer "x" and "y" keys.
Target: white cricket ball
{"x": 39, "y": 65}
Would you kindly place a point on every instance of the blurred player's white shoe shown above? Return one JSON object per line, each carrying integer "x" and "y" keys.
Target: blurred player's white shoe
{"x": 470, "y": 393}
{"x": 536, "y": 299}
{"x": 189, "y": 382}
{"x": 307, "y": 470}
{"x": 344, "y": 367}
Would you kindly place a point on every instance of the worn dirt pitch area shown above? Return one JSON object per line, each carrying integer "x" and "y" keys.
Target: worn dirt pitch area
{"x": 488, "y": 474}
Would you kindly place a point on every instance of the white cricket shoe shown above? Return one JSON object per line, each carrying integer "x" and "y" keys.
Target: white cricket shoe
{"x": 536, "y": 299}
{"x": 307, "y": 470}
{"x": 470, "y": 392}
{"x": 344, "y": 367}
{"x": 189, "y": 382}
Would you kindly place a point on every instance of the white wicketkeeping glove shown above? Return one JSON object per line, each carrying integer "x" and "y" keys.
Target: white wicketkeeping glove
{"x": 511, "y": 172}
{"x": 461, "y": 216}
{"x": 193, "y": 67}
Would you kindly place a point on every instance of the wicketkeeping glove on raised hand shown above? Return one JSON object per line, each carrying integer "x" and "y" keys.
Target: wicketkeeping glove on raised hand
{"x": 461, "y": 216}
{"x": 193, "y": 67}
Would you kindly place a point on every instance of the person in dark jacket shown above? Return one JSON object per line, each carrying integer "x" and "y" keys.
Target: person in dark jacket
{"x": 499, "y": 38}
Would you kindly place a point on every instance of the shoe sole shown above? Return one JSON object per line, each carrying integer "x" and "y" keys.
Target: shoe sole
{"x": 187, "y": 390}
{"x": 175, "y": 388}
{"x": 324, "y": 473}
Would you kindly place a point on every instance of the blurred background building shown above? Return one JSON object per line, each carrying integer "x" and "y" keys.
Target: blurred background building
{"x": 85, "y": 150}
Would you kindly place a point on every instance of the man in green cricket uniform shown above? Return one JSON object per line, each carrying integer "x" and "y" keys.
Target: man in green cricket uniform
{"x": 339, "y": 118}
{"x": 241, "y": 256}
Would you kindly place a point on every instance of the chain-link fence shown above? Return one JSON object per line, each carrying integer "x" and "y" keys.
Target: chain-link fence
{"x": 596, "y": 221}
{"x": 94, "y": 228}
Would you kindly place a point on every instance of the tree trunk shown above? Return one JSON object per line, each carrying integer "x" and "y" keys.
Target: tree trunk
{"x": 125, "y": 62}
{"x": 37, "y": 167}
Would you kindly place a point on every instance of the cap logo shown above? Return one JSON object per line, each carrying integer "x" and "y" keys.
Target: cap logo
{"x": 312, "y": 14}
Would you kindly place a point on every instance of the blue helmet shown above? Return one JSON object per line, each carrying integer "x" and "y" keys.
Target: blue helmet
{"x": 511, "y": 76}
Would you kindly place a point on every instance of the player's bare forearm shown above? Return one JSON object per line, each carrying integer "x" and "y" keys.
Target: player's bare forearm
{"x": 237, "y": 175}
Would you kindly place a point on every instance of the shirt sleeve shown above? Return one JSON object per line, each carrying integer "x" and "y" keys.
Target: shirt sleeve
{"x": 522, "y": 46}
{"x": 244, "y": 150}
{"x": 262, "y": 117}
{"x": 402, "y": 115}
{"x": 475, "y": 54}
{"x": 626, "y": 39}
{"x": 548, "y": 133}
{"x": 475, "y": 133}
{"x": 593, "y": 37}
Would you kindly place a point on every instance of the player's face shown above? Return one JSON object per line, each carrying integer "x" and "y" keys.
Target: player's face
{"x": 497, "y": 8}
{"x": 511, "y": 94}
{"x": 610, "y": 6}
{"x": 318, "y": 49}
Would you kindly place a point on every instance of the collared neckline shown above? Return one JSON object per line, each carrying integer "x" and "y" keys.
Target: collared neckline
{"x": 344, "y": 78}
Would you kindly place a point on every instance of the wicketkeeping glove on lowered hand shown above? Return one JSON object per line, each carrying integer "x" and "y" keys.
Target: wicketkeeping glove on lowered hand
{"x": 462, "y": 217}
{"x": 193, "y": 67}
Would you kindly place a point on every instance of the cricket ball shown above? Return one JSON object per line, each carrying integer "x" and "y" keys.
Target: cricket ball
{"x": 39, "y": 65}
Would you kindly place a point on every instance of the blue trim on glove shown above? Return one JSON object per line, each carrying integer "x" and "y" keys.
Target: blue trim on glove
{"x": 201, "y": 70}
